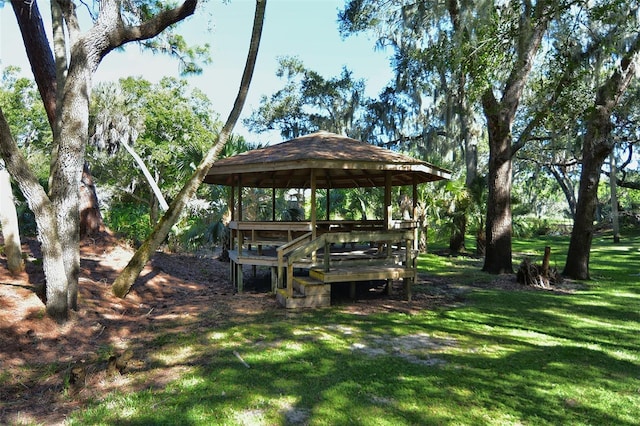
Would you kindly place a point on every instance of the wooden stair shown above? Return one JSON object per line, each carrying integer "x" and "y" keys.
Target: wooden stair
{"x": 307, "y": 293}
{"x": 342, "y": 267}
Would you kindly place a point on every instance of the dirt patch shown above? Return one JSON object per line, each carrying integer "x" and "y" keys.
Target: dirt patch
{"x": 418, "y": 348}
{"x": 48, "y": 370}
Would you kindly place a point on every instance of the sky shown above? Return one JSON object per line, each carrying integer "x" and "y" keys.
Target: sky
{"x": 306, "y": 29}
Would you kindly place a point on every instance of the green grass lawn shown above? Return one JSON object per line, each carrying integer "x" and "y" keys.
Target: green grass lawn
{"x": 497, "y": 357}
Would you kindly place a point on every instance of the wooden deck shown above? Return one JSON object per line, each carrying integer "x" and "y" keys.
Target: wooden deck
{"x": 365, "y": 253}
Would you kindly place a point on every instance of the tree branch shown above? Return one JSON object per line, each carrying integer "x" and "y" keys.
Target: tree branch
{"x": 39, "y": 54}
{"x": 159, "y": 23}
{"x": 623, "y": 183}
{"x": 564, "y": 81}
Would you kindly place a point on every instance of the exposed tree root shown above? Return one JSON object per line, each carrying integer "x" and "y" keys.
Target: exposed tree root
{"x": 535, "y": 275}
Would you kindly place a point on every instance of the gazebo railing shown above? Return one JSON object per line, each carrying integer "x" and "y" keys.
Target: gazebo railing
{"x": 260, "y": 233}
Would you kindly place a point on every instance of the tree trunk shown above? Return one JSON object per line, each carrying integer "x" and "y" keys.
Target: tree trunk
{"x": 58, "y": 217}
{"x": 127, "y": 277}
{"x": 147, "y": 174}
{"x": 38, "y": 51}
{"x": 43, "y": 210}
{"x": 91, "y": 222}
{"x": 456, "y": 240}
{"x": 67, "y": 171}
{"x": 498, "y": 231}
{"x": 9, "y": 223}
{"x": 595, "y": 150}
{"x": 48, "y": 81}
{"x": 500, "y": 115}
{"x": 577, "y": 265}
{"x": 613, "y": 188}
{"x": 498, "y": 225}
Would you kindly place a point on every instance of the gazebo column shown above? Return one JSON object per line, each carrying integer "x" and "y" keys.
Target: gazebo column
{"x": 388, "y": 213}
{"x": 328, "y": 215}
{"x": 274, "y": 269}
{"x": 387, "y": 200}
{"x": 414, "y": 213}
{"x": 410, "y": 259}
{"x": 273, "y": 204}
{"x": 313, "y": 215}
{"x": 232, "y": 210}
{"x": 232, "y": 199}
{"x": 239, "y": 198}
{"x": 239, "y": 276}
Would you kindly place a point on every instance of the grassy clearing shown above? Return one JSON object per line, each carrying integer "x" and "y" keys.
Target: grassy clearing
{"x": 500, "y": 357}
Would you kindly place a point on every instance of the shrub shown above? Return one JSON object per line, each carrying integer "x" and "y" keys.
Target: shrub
{"x": 131, "y": 221}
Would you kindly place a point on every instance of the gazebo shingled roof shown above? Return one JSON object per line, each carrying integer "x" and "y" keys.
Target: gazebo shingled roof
{"x": 340, "y": 162}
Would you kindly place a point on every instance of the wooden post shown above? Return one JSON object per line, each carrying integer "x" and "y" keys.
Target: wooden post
{"x": 239, "y": 198}
{"x": 239, "y": 277}
{"x": 280, "y": 270}
{"x": 290, "y": 280}
{"x": 313, "y": 211}
{"x": 409, "y": 264}
{"x": 388, "y": 213}
{"x": 414, "y": 213}
{"x": 313, "y": 204}
{"x": 387, "y": 200}
{"x": 274, "y": 279}
{"x": 328, "y": 215}
{"x": 273, "y": 204}
{"x": 327, "y": 256}
{"x": 233, "y": 235}
{"x": 408, "y": 291}
{"x": 232, "y": 201}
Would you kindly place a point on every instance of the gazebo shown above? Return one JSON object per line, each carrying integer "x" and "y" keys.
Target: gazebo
{"x": 317, "y": 246}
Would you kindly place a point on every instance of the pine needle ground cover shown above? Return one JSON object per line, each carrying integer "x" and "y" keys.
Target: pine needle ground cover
{"x": 493, "y": 355}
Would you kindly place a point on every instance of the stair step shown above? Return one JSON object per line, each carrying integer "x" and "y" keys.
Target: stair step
{"x": 310, "y": 301}
{"x": 362, "y": 273}
{"x": 310, "y": 286}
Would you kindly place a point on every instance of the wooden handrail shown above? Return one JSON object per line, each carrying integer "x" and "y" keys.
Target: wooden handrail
{"x": 270, "y": 226}
{"x": 293, "y": 244}
{"x": 287, "y": 248}
{"x": 295, "y": 254}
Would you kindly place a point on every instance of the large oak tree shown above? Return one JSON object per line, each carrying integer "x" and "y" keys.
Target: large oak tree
{"x": 597, "y": 146}
{"x": 57, "y": 213}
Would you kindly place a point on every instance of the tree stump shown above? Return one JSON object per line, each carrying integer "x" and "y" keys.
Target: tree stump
{"x": 538, "y": 275}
